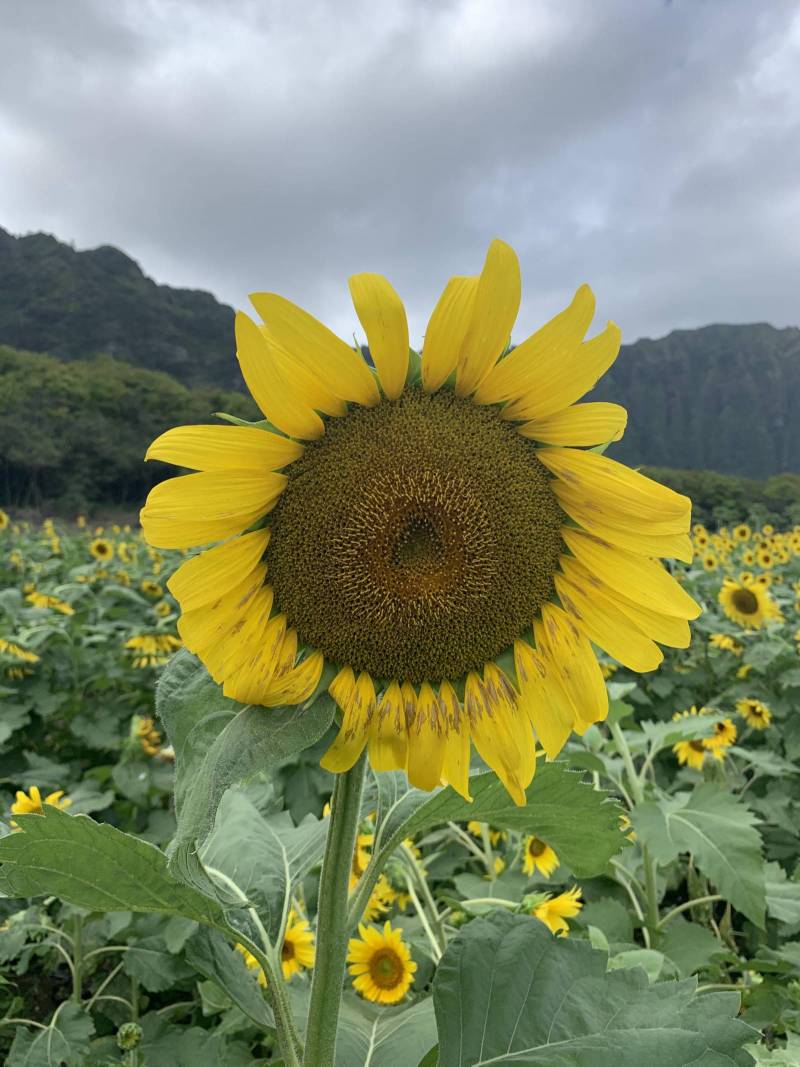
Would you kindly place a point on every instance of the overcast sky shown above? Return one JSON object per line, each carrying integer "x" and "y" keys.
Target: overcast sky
{"x": 649, "y": 148}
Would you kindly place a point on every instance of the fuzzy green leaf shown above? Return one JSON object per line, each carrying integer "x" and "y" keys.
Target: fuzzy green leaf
{"x": 378, "y": 1036}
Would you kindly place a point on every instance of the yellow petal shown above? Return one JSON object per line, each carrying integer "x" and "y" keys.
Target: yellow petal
{"x": 605, "y": 624}
{"x": 638, "y": 539}
{"x": 203, "y": 578}
{"x": 446, "y": 331}
{"x": 427, "y": 740}
{"x": 203, "y": 626}
{"x": 297, "y": 684}
{"x": 342, "y": 370}
{"x": 563, "y": 380}
{"x": 543, "y": 699}
{"x": 388, "y": 743}
{"x": 308, "y": 385}
{"x": 493, "y": 737}
{"x": 494, "y": 313}
{"x": 644, "y": 581}
{"x": 197, "y": 509}
{"x": 667, "y": 629}
{"x": 277, "y": 396}
{"x": 380, "y": 311}
{"x": 242, "y": 641}
{"x": 581, "y": 424}
{"x": 518, "y": 373}
{"x": 455, "y": 768}
{"x": 217, "y": 448}
{"x": 249, "y": 683}
{"x": 576, "y": 665}
{"x": 622, "y": 490}
{"x": 359, "y": 710}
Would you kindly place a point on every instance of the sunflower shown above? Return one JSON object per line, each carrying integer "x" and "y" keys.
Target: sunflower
{"x": 554, "y": 911}
{"x": 495, "y": 836}
{"x": 380, "y": 900}
{"x": 754, "y": 713}
{"x": 101, "y": 548}
{"x": 42, "y": 600}
{"x": 412, "y": 526}
{"x": 4, "y": 520}
{"x": 147, "y": 734}
{"x": 152, "y": 650}
{"x": 742, "y": 532}
{"x": 726, "y": 643}
{"x": 297, "y": 951}
{"x": 380, "y": 964}
{"x": 747, "y": 603}
{"x": 765, "y": 558}
{"x": 693, "y": 753}
{"x": 17, "y": 652}
{"x": 710, "y": 562}
{"x": 748, "y": 557}
{"x": 30, "y": 803}
{"x": 538, "y": 857}
{"x": 723, "y": 736}
{"x": 362, "y": 854}
{"x": 151, "y": 588}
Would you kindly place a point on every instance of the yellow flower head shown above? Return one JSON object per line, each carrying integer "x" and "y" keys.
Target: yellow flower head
{"x": 765, "y": 558}
{"x": 742, "y": 532}
{"x": 723, "y": 736}
{"x": 152, "y": 650}
{"x": 726, "y": 643}
{"x": 362, "y": 854}
{"x": 495, "y": 836}
{"x": 42, "y": 600}
{"x": 537, "y": 856}
{"x": 30, "y": 803}
{"x": 380, "y": 964}
{"x": 554, "y": 911}
{"x": 148, "y": 734}
{"x": 693, "y": 753}
{"x": 710, "y": 562}
{"x": 410, "y": 524}
{"x": 380, "y": 900}
{"x": 297, "y": 951}
{"x": 747, "y": 603}
{"x": 4, "y": 520}
{"x": 17, "y": 652}
{"x": 151, "y": 588}
{"x": 754, "y": 713}
{"x": 101, "y": 549}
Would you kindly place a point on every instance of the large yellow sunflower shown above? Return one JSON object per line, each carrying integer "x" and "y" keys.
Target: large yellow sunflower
{"x": 747, "y": 603}
{"x": 436, "y": 529}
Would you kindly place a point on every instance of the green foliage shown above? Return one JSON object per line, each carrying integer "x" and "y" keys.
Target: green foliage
{"x": 75, "y": 434}
{"x": 729, "y": 498}
{"x": 506, "y": 992}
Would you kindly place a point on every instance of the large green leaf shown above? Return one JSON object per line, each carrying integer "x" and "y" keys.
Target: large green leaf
{"x": 377, "y": 1036}
{"x": 265, "y": 856}
{"x": 65, "y": 1041}
{"x": 508, "y": 992}
{"x": 719, "y": 831}
{"x": 579, "y": 822}
{"x": 219, "y": 742}
{"x": 157, "y": 969}
{"x": 95, "y": 866}
{"x": 783, "y": 896}
{"x": 213, "y": 956}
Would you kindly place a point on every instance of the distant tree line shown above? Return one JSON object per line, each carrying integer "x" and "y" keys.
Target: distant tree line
{"x": 73, "y": 435}
{"x": 722, "y": 499}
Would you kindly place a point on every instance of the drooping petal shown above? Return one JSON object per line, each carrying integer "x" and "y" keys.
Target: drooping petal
{"x": 563, "y": 381}
{"x": 388, "y": 739}
{"x": 249, "y": 683}
{"x": 644, "y": 581}
{"x": 446, "y": 331}
{"x": 666, "y": 629}
{"x": 605, "y": 624}
{"x": 380, "y": 311}
{"x": 203, "y": 578}
{"x": 196, "y": 509}
{"x": 427, "y": 741}
{"x": 278, "y": 397}
{"x": 216, "y": 448}
{"x": 494, "y": 738}
{"x": 637, "y": 538}
{"x": 455, "y": 768}
{"x": 623, "y": 491}
{"x": 581, "y": 424}
{"x": 338, "y": 366}
{"x": 298, "y": 684}
{"x": 533, "y": 359}
{"x": 494, "y": 313}
{"x": 357, "y": 712}
{"x": 201, "y": 627}
{"x": 575, "y": 663}
{"x": 542, "y": 698}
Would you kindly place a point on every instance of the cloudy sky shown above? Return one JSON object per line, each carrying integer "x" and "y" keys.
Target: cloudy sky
{"x": 651, "y": 148}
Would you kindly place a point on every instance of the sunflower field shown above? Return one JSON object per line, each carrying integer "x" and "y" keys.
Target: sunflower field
{"x": 653, "y": 869}
{"x": 363, "y": 750}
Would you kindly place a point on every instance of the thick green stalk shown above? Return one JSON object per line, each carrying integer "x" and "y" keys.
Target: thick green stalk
{"x": 332, "y": 928}
{"x": 652, "y": 917}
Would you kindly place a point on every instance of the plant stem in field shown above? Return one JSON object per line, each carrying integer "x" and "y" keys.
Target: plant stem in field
{"x": 332, "y": 928}
{"x": 637, "y": 793}
{"x": 77, "y": 960}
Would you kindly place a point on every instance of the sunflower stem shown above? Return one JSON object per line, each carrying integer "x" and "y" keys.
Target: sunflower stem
{"x": 636, "y": 787}
{"x": 332, "y": 927}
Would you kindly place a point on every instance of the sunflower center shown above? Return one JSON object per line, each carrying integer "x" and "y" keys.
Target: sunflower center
{"x": 745, "y": 601}
{"x": 536, "y": 847}
{"x": 386, "y": 968}
{"x": 416, "y": 539}
{"x": 697, "y": 746}
{"x": 287, "y": 951}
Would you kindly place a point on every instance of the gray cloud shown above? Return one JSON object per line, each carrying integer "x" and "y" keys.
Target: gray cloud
{"x": 651, "y": 149}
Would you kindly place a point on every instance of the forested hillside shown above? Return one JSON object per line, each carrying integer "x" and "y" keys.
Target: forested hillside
{"x": 720, "y": 398}
{"x": 77, "y": 304}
